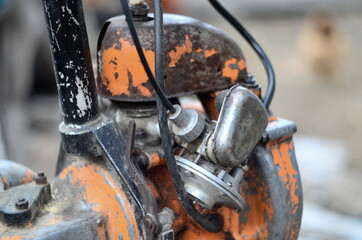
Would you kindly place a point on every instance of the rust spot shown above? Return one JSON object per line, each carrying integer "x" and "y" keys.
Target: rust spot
{"x": 176, "y": 54}
{"x": 125, "y": 64}
{"x": 103, "y": 195}
{"x": 209, "y": 53}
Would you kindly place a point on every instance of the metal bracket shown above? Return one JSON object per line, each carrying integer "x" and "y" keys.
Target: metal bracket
{"x": 20, "y": 204}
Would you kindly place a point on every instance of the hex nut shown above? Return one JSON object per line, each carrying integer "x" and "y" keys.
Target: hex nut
{"x": 41, "y": 179}
{"x": 22, "y": 204}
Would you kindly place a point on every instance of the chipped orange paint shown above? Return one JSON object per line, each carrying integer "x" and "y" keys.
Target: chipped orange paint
{"x": 209, "y": 53}
{"x": 229, "y": 72}
{"x": 199, "y": 50}
{"x": 192, "y": 60}
{"x": 241, "y": 64}
{"x": 259, "y": 214}
{"x": 119, "y": 63}
{"x": 286, "y": 170}
{"x": 17, "y": 237}
{"x": 232, "y": 67}
{"x": 155, "y": 160}
{"x": 28, "y": 177}
{"x": 260, "y": 210}
{"x": 101, "y": 193}
{"x": 176, "y": 54}
{"x": 52, "y": 222}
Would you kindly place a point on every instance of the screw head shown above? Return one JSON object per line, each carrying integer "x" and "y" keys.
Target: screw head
{"x": 22, "y": 204}
{"x": 188, "y": 173}
{"x": 230, "y": 184}
{"x": 237, "y": 210}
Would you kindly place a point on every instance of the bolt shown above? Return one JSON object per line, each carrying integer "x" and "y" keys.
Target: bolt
{"x": 22, "y": 204}
{"x": 250, "y": 78}
{"x": 41, "y": 179}
{"x": 188, "y": 173}
{"x": 139, "y": 10}
{"x": 237, "y": 210}
{"x": 230, "y": 184}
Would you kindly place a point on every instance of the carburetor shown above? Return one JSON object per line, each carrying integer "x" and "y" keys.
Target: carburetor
{"x": 213, "y": 167}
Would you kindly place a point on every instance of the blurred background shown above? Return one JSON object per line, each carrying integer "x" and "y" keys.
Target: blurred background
{"x": 316, "y": 50}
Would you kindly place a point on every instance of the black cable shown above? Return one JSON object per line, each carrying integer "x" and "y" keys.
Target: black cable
{"x": 213, "y": 222}
{"x": 166, "y": 103}
{"x": 257, "y": 48}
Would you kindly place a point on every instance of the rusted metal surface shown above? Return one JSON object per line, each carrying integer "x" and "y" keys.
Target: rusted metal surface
{"x": 198, "y": 58}
{"x": 88, "y": 203}
{"x": 21, "y": 204}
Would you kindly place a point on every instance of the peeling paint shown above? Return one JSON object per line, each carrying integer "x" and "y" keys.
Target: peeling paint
{"x": 18, "y": 237}
{"x": 103, "y": 195}
{"x": 122, "y": 69}
{"x": 232, "y": 68}
{"x": 176, "y": 54}
{"x": 209, "y": 53}
{"x": 286, "y": 169}
{"x": 84, "y": 102}
{"x": 71, "y": 15}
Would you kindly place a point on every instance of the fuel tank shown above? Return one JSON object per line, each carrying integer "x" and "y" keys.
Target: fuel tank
{"x": 198, "y": 58}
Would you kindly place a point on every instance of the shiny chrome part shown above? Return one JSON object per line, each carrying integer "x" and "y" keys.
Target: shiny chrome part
{"x": 209, "y": 185}
{"x": 242, "y": 120}
{"x": 188, "y": 124}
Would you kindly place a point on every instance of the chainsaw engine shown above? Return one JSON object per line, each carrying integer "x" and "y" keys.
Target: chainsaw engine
{"x": 142, "y": 164}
